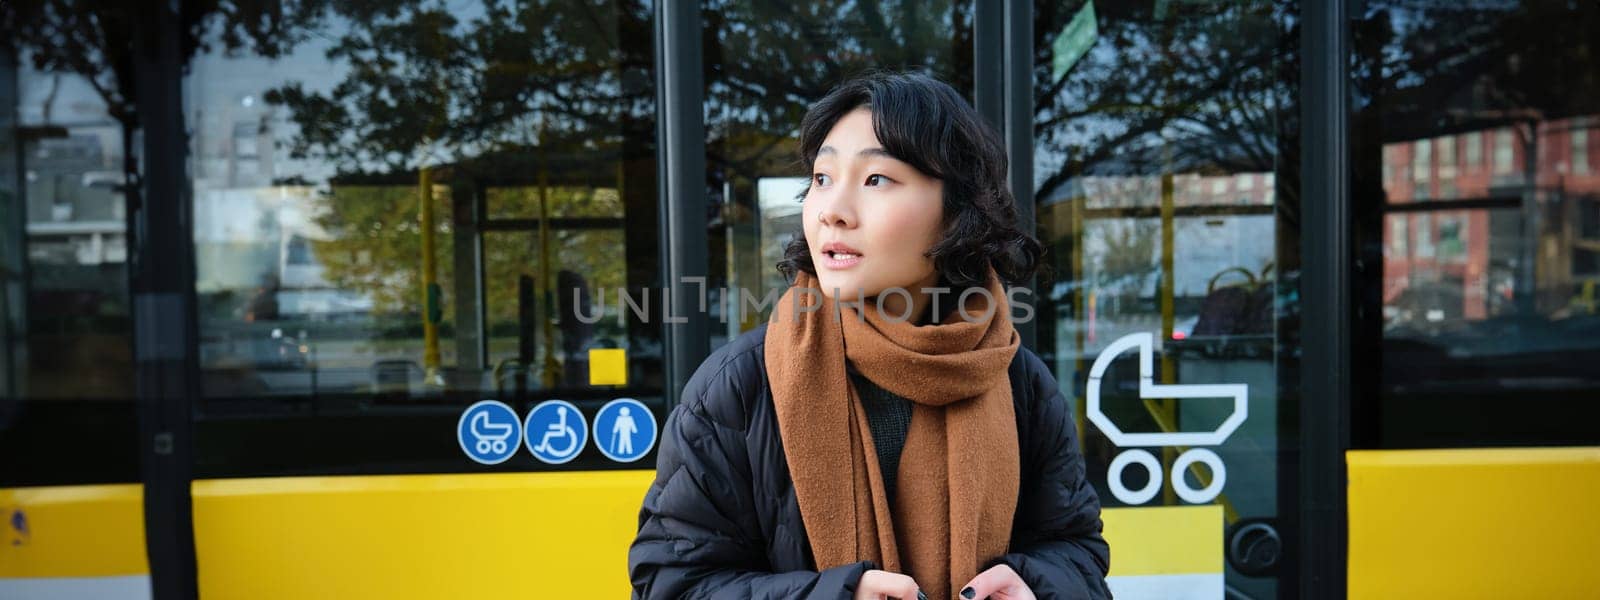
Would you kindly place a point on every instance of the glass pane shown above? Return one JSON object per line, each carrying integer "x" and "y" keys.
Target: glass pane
{"x": 1163, "y": 165}
{"x": 64, "y": 305}
{"x": 1488, "y": 321}
{"x": 759, "y": 83}
{"x": 524, "y": 203}
{"x": 535, "y": 337}
{"x": 392, "y": 206}
{"x": 13, "y": 251}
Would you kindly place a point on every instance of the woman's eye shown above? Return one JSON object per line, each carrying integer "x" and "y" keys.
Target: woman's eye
{"x": 877, "y": 180}
{"x": 821, "y": 179}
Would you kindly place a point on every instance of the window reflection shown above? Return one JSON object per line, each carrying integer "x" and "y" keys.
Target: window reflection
{"x": 759, "y": 82}
{"x": 523, "y": 272}
{"x": 1488, "y": 266}
{"x": 74, "y": 313}
{"x": 395, "y": 205}
{"x": 1159, "y": 163}
{"x": 68, "y": 144}
{"x": 1446, "y": 269}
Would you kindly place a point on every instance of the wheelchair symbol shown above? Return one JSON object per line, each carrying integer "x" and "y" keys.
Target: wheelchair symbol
{"x": 1144, "y": 342}
{"x": 484, "y": 431}
{"x": 561, "y": 429}
{"x": 558, "y": 429}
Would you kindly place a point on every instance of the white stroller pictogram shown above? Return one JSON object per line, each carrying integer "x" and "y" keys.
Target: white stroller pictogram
{"x": 491, "y": 436}
{"x": 1240, "y": 393}
{"x": 489, "y": 432}
{"x": 558, "y": 429}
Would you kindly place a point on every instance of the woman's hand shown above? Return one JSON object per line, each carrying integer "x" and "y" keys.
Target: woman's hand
{"x": 878, "y": 585}
{"x": 997, "y": 583}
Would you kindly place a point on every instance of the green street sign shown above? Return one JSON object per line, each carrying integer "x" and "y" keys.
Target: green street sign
{"x": 1074, "y": 40}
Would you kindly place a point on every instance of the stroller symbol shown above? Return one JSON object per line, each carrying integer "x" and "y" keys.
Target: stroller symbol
{"x": 1137, "y": 442}
{"x": 561, "y": 429}
{"x": 491, "y": 436}
{"x": 485, "y": 430}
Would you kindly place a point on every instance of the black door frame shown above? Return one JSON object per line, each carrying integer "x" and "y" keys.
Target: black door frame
{"x": 681, "y": 163}
{"x": 1318, "y": 527}
{"x": 1326, "y": 304}
{"x": 161, "y": 280}
{"x": 1003, "y": 76}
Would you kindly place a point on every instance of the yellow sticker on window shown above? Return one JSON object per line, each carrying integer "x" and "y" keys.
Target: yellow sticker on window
{"x": 608, "y": 366}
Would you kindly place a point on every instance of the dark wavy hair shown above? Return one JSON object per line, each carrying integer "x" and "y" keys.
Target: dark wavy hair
{"x": 925, "y": 123}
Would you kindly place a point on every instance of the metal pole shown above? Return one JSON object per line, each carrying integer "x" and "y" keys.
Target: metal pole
{"x": 682, "y": 164}
{"x": 549, "y": 369}
{"x": 1168, "y": 407}
{"x": 432, "y": 293}
{"x": 1527, "y": 289}
{"x": 161, "y": 281}
{"x": 1326, "y": 279}
{"x": 1018, "y": 67}
{"x": 988, "y": 52}
{"x": 13, "y": 214}
{"x": 431, "y": 302}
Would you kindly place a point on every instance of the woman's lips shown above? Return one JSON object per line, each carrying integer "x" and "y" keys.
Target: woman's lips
{"x": 839, "y": 260}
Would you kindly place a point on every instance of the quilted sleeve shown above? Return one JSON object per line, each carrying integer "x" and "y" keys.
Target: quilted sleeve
{"x": 1056, "y": 544}
{"x": 698, "y": 535}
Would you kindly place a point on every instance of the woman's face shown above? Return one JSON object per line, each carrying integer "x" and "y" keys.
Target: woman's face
{"x": 869, "y": 218}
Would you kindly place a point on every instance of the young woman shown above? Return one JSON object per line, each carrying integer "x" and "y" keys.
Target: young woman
{"x": 880, "y": 437}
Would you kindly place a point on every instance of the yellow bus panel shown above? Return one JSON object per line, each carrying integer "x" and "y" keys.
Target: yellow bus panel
{"x": 1475, "y": 523}
{"x": 73, "y": 531}
{"x": 418, "y": 536}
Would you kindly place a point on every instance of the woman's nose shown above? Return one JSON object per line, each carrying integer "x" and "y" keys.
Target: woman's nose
{"x": 836, "y": 211}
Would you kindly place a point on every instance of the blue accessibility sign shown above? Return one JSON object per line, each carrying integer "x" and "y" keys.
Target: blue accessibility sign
{"x": 555, "y": 432}
{"x": 625, "y": 430}
{"x": 489, "y": 432}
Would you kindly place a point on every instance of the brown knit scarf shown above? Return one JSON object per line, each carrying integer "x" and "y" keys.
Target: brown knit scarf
{"x": 958, "y": 474}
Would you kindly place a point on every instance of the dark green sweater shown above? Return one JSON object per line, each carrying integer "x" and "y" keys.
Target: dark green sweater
{"x": 889, "y": 417}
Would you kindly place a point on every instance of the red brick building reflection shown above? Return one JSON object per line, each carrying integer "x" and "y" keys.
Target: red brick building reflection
{"x": 1476, "y": 226}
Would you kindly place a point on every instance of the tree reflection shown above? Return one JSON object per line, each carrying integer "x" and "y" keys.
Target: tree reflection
{"x": 533, "y": 103}
{"x": 1168, "y": 87}
{"x": 1428, "y": 66}
{"x": 768, "y": 61}
{"x": 96, "y": 41}
{"x": 376, "y": 243}
{"x": 426, "y": 84}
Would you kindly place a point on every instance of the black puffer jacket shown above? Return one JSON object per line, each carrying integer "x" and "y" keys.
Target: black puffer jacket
{"x": 721, "y": 519}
